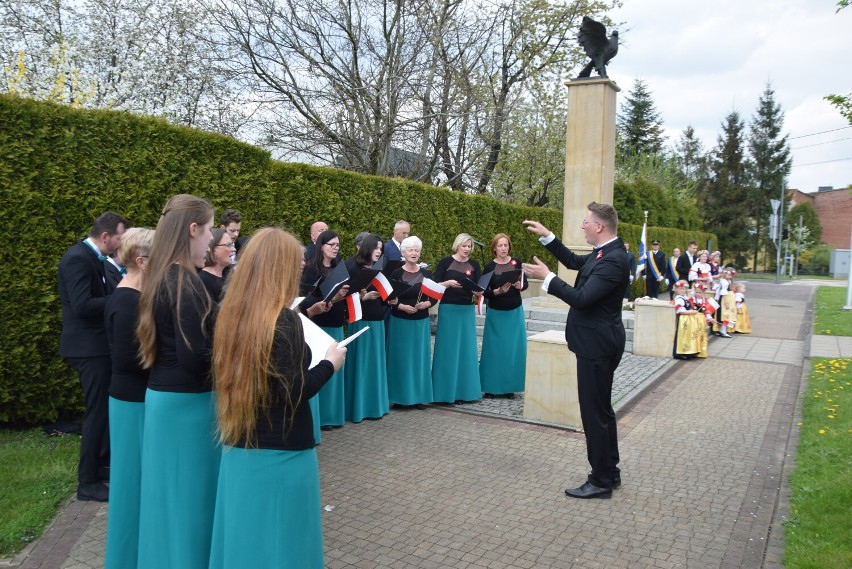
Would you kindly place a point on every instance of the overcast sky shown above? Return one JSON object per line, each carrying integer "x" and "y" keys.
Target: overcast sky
{"x": 701, "y": 59}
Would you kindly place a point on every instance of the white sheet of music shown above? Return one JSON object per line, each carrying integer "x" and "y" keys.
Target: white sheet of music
{"x": 315, "y": 336}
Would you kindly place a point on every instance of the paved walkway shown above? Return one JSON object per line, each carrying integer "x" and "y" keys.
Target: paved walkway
{"x": 706, "y": 447}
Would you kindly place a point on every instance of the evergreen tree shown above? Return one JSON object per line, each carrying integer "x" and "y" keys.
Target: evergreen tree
{"x": 640, "y": 126}
{"x": 770, "y": 163}
{"x": 722, "y": 197}
{"x": 689, "y": 154}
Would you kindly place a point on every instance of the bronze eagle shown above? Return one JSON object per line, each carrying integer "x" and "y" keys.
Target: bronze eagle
{"x": 598, "y": 47}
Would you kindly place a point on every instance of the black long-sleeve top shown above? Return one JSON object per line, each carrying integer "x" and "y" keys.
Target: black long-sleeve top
{"x": 510, "y": 299}
{"x": 334, "y": 318}
{"x": 413, "y": 279}
{"x": 213, "y": 284}
{"x": 373, "y": 309}
{"x": 470, "y": 269}
{"x": 129, "y": 379}
{"x": 275, "y": 430}
{"x": 182, "y": 365}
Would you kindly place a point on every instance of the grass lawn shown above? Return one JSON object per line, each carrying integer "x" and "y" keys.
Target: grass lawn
{"x": 37, "y": 474}
{"x": 817, "y": 533}
{"x": 830, "y": 319}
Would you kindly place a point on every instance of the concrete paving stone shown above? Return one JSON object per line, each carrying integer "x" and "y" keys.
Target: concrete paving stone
{"x": 702, "y": 466}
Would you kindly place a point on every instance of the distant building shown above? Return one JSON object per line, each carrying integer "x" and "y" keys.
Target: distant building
{"x": 834, "y": 209}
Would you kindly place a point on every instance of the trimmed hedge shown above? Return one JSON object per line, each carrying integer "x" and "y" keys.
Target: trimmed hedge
{"x": 61, "y": 167}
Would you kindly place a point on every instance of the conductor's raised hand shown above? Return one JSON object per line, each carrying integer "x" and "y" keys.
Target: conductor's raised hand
{"x": 336, "y": 356}
{"x": 537, "y": 228}
{"x": 536, "y": 269}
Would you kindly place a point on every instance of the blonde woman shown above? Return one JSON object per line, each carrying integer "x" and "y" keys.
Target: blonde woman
{"x": 126, "y": 402}
{"x": 455, "y": 366}
{"x": 268, "y": 502}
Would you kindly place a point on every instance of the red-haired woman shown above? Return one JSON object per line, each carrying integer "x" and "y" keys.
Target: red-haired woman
{"x": 268, "y": 501}
{"x": 502, "y": 366}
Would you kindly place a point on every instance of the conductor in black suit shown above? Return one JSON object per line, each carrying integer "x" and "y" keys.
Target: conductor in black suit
{"x": 83, "y": 290}
{"x": 595, "y": 333}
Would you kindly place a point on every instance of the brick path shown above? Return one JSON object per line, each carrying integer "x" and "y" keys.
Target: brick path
{"x": 705, "y": 452}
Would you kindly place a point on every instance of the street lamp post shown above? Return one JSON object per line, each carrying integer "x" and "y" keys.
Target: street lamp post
{"x": 848, "y": 305}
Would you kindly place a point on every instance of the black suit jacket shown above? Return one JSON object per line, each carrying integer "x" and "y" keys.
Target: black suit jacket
{"x": 659, "y": 261}
{"x": 82, "y": 294}
{"x": 391, "y": 251}
{"x": 113, "y": 276}
{"x": 683, "y": 266}
{"x": 594, "y": 328}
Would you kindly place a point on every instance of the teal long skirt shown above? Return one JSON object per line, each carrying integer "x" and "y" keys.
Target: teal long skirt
{"x": 409, "y": 361}
{"x": 366, "y": 376}
{"x": 332, "y": 398}
{"x": 267, "y": 510}
{"x": 503, "y": 365}
{"x": 455, "y": 369}
{"x": 180, "y": 467}
{"x": 126, "y": 420}
{"x": 313, "y": 403}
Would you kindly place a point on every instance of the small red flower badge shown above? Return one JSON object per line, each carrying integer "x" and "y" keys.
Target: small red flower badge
{"x": 514, "y": 262}
{"x": 468, "y": 272}
{"x": 599, "y": 255}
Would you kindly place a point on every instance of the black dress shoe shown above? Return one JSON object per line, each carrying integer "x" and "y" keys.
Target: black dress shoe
{"x": 616, "y": 483}
{"x": 98, "y": 492}
{"x": 589, "y": 490}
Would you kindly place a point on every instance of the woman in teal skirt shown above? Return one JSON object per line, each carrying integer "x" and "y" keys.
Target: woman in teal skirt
{"x": 410, "y": 337}
{"x": 502, "y": 366}
{"x": 366, "y": 378}
{"x": 268, "y": 511}
{"x": 455, "y": 367}
{"x": 126, "y": 403}
{"x": 330, "y": 316}
{"x": 180, "y": 454}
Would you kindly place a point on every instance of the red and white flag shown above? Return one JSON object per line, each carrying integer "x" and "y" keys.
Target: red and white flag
{"x": 382, "y": 285}
{"x": 481, "y": 307}
{"x": 432, "y": 289}
{"x": 353, "y": 308}
{"x": 710, "y": 306}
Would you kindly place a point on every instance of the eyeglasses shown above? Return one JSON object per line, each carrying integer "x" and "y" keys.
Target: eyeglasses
{"x": 334, "y": 245}
{"x": 588, "y": 221}
{"x": 229, "y": 245}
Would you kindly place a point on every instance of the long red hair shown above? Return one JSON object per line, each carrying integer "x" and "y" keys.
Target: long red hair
{"x": 264, "y": 283}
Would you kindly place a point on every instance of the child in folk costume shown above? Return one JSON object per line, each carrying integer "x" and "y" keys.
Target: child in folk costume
{"x": 700, "y": 271}
{"x": 726, "y": 316}
{"x": 715, "y": 263}
{"x": 690, "y": 328}
{"x": 743, "y": 325}
{"x": 705, "y": 305}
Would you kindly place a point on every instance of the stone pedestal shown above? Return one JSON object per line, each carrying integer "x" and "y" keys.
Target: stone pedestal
{"x": 551, "y": 385}
{"x": 653, "y": 328}
{"x": 589, "y": 158}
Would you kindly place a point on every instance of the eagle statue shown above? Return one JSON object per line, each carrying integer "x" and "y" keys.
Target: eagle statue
{"x": 598, "y": 47}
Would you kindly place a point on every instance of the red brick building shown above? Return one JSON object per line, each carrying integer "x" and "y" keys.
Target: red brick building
{"x": 834, "y": 209}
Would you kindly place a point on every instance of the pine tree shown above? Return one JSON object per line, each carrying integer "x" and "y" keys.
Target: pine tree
{"x": 770, "y": 162}
{"x": 689, "y": 153}
{"x": 640, "y": 126}
{"x": 721, "y": 199}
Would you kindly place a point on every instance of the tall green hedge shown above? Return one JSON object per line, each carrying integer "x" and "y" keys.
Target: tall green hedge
{"x": 60, "y": 168}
